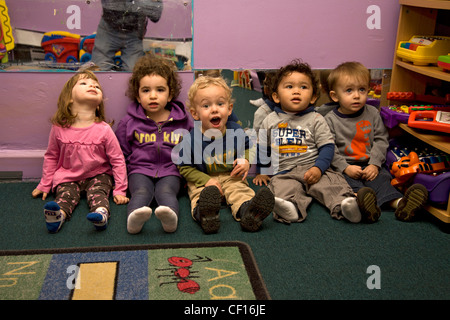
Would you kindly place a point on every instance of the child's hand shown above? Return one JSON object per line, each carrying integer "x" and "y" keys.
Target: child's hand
{"x": 36, "y": 193}
{"x": 241, "y": 167}
{"x": 313, "y": 175}
{"x": 261, "y": 179}
{"x": 354, "y": 172}
{"x": 215, "y": 183}
{"x": 119, "y": 199}
{"x": 370, "y": 172}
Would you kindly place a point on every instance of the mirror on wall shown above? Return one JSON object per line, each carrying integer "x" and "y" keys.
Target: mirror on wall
{"x": 48, "y": 35}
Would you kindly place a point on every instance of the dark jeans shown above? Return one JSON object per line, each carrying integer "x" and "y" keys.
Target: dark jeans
{"x": 381, "y": 185}
{"x": 144, "y": 188}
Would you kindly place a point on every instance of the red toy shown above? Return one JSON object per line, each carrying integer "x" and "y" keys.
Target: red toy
{"x": 61, "y": 46}
{"x": 430, "y": 120}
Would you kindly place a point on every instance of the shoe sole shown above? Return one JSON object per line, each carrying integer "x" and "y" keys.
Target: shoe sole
{"x": 415, "y": 197}
{"x": 367, "y": 202}
{"x": 208, "y": 209}
{"x": 260, "y": 207}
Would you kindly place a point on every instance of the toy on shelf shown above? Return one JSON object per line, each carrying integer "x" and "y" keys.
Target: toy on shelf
{"x": 430, "y": 120}
{"x": 437, "y": 182}
{"x": 393, "y": 115}
{"x": 423, "y": 50}
{"x": 408, "y": 166}
{"x": 61, "y": 46}
{"x": 411, "y": 97}
{"x": 444, "y": 62}
{"x": 6, "y": 37}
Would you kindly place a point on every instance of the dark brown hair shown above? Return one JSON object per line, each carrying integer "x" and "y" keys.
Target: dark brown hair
{"x": 154, "y": 65}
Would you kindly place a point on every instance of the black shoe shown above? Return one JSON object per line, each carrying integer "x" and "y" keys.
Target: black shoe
{"x": 414, "y": 199}
{"x": 253, "y": 212}
{"x": 367, "y": 202}
{"x": 208, "y": 207}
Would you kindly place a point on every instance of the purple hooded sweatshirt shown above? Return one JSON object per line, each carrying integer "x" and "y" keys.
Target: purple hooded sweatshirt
{"x": 147, "y": 145}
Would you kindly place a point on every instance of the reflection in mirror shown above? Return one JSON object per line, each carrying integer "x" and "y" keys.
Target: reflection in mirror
{"x": 252, "y": 95}
{"x": 63, "y": 35}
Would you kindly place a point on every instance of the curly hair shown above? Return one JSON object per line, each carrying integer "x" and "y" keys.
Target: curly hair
{"x": 296, "y": 65}
{"x": 63, "y": 116}
{"x": 154, "y": 65}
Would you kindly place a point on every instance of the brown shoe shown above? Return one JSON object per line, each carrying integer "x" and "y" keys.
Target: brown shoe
{"x": 367, "y": 202}
{"x": 413, "y": 200}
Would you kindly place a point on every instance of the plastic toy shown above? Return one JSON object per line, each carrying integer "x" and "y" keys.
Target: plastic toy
{"x": 61, "y": 46}
{"x": 430, "y": 120}
{"x": 6, "y": 37}
{"x": 423, "y": 50}
{"x": 393, "y": 115}
{"x": 408, "y": 166}
{"x": 86, "y": 46}
{"x": 444, "y": 62}
{"x": 411, "y": 96}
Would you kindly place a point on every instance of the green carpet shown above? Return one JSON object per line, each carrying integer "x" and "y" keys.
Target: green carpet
{"x": 320, "y": 258}
{"x": 197, "y": 271}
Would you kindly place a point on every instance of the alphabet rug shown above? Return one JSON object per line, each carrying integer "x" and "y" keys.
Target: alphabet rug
{"x": 188, "y": 271}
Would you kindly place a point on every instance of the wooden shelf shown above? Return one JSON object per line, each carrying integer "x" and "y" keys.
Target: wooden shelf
{"x": 439, "y": 140}
{"x": 432, "y": 4}
{"x": 418, "y": 17}
{"x": 429, "y": 71}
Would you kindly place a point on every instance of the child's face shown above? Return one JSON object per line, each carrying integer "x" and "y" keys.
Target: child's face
{"x": 87, "y": 90}
{"x": 351, "y": 93}
{"x": 295, "y": 92}
{"x": 154, "y": 94}
{"x": 212, "y": 107}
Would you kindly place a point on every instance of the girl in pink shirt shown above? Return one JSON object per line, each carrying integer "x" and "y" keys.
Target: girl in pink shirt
{"x": 83, "y": 154}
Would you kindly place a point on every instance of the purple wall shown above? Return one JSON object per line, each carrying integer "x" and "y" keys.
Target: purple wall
{"x": 255, "y": 34}
{"x": 28, "y": 100}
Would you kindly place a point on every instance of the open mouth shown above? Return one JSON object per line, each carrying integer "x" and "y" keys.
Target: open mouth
{"x": 215, "y": 121}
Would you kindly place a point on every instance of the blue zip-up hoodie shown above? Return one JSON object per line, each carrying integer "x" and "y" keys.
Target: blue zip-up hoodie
{"x": 147, "y": 145}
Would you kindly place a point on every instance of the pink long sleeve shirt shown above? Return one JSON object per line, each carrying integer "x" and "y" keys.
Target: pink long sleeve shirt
{"x": 75, "y": 154}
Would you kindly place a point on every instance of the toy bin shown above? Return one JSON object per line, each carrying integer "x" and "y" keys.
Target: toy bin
{"x": 61, "y": 46}
{"x": 438, "y": 186}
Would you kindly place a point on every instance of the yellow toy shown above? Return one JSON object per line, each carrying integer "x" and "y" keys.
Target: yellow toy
{"x": 423, "y": 50}
{"x": 6, "y": 37}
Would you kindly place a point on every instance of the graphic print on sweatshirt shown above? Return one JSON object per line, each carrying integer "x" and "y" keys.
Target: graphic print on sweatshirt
{"x": 358, "y": 148}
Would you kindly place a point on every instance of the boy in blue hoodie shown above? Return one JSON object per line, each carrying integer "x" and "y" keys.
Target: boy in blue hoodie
{"x": 215, "y": 159}
{"x": 147, "y": 135}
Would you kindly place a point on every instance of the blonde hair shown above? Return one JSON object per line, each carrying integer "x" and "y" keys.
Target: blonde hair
{"x": 355, "y": 70}
{"x": 63, "y": 116}
{"x": 204, "y": 82}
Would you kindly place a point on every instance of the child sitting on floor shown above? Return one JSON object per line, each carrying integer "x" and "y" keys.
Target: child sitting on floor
{"x": 362, "y": 140}
{"x": 147, "y": 136}
{"x": 82, "y": 154}
{"x": 302, "y": 148}
{"x": 214, "y": 159}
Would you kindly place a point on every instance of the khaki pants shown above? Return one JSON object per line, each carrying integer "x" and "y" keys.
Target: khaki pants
{"x": 236, "y": 192}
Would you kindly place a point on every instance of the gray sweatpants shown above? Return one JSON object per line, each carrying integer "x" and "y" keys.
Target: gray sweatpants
{"x": 329, "y": 191}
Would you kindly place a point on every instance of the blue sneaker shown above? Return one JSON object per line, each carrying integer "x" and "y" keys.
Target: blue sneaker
{"x": 53, "y": 217}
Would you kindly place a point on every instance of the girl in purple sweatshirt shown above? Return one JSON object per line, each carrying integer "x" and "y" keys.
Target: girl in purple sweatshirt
{"x": 147, "y": 135}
